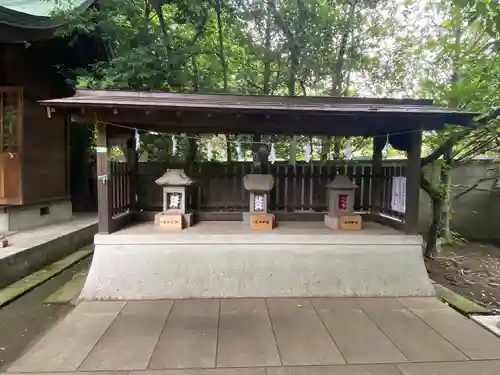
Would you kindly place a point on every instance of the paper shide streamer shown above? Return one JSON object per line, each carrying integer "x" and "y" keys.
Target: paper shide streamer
{"x": 272, "y": 154}
{"x": 209, "y": 150}
{"x": 348, "y": 152}
{"x": 137, "y": 140}
{"x": 174, "y": 145}
{"x": 239, "y": 151}
{"x": 308, "y": 153}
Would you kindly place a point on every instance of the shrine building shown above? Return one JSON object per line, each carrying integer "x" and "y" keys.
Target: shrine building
{"x": 255, "y": 228}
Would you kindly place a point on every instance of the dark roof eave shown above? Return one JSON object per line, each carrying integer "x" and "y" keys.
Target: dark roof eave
{"x": 448, "y": 116}
{"x": 28, "y": 27}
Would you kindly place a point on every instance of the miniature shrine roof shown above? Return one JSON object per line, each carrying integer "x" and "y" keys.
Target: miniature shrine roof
{"x": 176, "y": 112}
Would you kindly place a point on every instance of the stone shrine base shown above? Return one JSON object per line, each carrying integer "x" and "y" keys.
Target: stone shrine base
{"x": 227, "y": 259}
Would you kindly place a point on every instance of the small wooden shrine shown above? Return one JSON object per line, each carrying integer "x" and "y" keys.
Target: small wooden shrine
{"x": 220, "y": 256}
{"x": 399, "y": 120}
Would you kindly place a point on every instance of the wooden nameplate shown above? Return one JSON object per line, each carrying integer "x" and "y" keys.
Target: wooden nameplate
{"x": 351, "y": 222}
{"x": 170, "y": 222}
{"x": 262, "y": 221}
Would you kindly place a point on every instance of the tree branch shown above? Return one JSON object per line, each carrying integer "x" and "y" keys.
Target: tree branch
{"x": 473, "y": 187}
{"x": 458, "y": 136}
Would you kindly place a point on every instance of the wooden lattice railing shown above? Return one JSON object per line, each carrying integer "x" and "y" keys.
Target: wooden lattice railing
{"x": 219, "y": 186}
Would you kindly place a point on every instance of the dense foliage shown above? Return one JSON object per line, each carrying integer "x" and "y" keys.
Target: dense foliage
{"x": 447, "y": 50}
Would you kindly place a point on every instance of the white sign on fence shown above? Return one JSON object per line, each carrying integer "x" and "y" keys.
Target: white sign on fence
{"x": 398, "y": 199}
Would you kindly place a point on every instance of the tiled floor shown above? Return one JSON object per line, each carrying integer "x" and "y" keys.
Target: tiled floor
{"x": 366, "y": 336}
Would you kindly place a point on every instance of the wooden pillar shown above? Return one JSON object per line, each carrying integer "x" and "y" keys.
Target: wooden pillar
{"x": 293, "y": 150}
{"x": 229, "y": 147}
{"x": 376, "y": 182}
{"x": 192, "y": 151}
{"x": 104, "y": 188}
{"x": 257, "y": 163}
{"x": 132, "y": 167}
{"x": 413, "y": 174}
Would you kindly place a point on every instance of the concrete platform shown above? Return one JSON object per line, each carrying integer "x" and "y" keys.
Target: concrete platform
{"x": 227, "y": 259}
{"x": 300, "y": 336}
{"x": 30, "y": 250}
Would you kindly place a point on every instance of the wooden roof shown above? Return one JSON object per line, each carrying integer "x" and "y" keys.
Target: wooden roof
{"x": 175, "y": 112}
{"x": 31, "y": 20}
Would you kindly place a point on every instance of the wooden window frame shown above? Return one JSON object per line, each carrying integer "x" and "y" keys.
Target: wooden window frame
{"x": 11, "y": 162}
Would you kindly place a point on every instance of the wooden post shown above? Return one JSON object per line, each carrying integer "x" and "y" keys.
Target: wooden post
{"x": 192, "y": 151}
{"x": 257, "y": 163}
{"x": 229, "y": 147}
{"x": 376, "y": 180}
{"x": 132, "y": 166}
{"x": 293, "y": 150}
{"x": 413, "y": 174}
{"x": 104, "y": 188}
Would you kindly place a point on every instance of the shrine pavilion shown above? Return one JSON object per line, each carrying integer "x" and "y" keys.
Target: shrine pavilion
{"x": 217, "y": 254}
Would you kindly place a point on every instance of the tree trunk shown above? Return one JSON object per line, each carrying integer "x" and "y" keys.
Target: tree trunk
{"x": 337, "y": 143}
{"x": 229, "y": 147}
{"x": 222, "y": 54}
{"x": 437, "y": 200}
{"x": 445, "y": 178}
{"x": 267, "y": 60}
{"x": 431, "y": 249}
{"x": 325, "y": 148}
{"x": 446, "y": 204}
{"x": 337, "y": 78}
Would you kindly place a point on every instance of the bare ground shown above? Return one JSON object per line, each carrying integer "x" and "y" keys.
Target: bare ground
{"x": 471, "y": 270}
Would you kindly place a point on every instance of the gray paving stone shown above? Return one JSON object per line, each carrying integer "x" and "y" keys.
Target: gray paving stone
{"x": 245, "y": 335}
{"x": 218, "y": 371}
{"x": 65, "y": 347}
{"x": 451, "y": 368}
{"x": 68, "y": 373}
{"x": 129, "y": 342}
{"x": 189, "y": 339}
{"x": 465, "y": 334}
{"x": 415, "y": 339}
{"x": 336, "y": 370}
{"x": 357, "y": 337}
{"x": 301, "y": 336}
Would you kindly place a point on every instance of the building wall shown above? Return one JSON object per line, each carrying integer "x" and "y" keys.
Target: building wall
{"x": 476, "y": 215}
{"x": 45, "y": 157}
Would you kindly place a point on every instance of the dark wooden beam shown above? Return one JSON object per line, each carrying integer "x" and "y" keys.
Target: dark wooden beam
{"x": 132, "y": 167}
{"x": 104, "y": 191}
{"x": 232, "y": 123}
{"x": 376, "y": 192}
{"x": 413, "y": 172}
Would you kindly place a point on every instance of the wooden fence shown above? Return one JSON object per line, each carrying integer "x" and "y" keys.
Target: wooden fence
{"x": 120, "y": 188}
{"x": 219, "y": 186}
